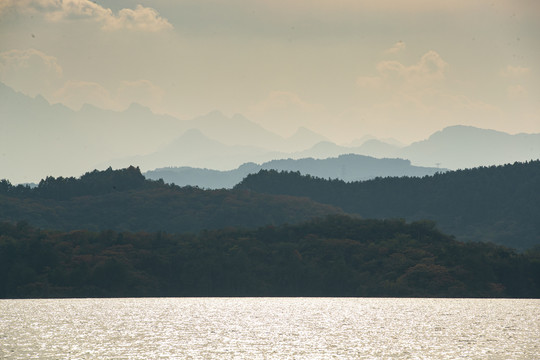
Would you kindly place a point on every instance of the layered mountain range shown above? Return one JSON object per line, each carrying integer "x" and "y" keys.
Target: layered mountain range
{"x": 38, "y": 139}
{"x": 349, "y": 167}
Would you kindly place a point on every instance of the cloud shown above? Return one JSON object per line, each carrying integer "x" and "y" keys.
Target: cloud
{"x": 285, "y": 104}
{"x": 75, "y": 94}
{"x": 279, "y": 100}
{"x": 145, "y": 19}
{"x": 143, "y": 92}
{"x": 282, "y": 111}
{"x": 397, "y": 47}
{"x": 370, "y": 82}
{"x": 431, "y": 67}
{"x": 419, "y": 96}
{"x": 141, "y": 18}
{"x": 429, "y": 70}
{"x": 34, "y": 72}
{"x": 27, "y": 6}
{"x": 515, "y": 71}
{"x": 516, "y": 92}
{"x": 30, "y": 71}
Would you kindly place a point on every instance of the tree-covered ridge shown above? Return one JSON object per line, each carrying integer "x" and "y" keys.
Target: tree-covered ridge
{"x": 334, "y": 256}
{"x": 498, "y": 203}
{"x": 92, "y": 183}
{"x": 124, "y": 200}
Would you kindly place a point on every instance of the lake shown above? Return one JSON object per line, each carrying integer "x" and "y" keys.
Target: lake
{"x": 270, "y": 328}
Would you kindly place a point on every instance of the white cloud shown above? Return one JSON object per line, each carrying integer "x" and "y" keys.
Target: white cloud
{"x": 284, "y": 111}
{"x": 516, "y": 92}
{"x": 75, "y": 94}
{"x": 145, "y": 19}
{"x": 30, "y": 71}
{"x": 431, "y": 67}
{"x": 394, "y": 76}
{"x": 370, "y": 82}
{"x": 516, "y": 75}
{"x": 141, "y": 18}
{"x": 279, "y": 100}
{"x": 397, "y": 47}
{"x": 402, "y": 97}
{"x": 515, "y": 71}
{"x": 34, "y": 72}
{"x": 78, "y": 10}
{"x": 143, "y": 92}
{"x": 26, "y": 6}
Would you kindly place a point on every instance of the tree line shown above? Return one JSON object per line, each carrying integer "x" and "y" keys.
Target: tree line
{"x": 123, "y": 200}
{"x": 498, "y": 203}
{"x": 336, "y": 255}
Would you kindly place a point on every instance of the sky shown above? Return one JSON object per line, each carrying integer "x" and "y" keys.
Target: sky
{"x": 343, "y": 68}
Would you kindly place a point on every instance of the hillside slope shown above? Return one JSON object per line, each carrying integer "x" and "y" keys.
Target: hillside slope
{"x": 124, "y": 200}
{"x": 499, "y": 203}
{"x": 335, "y": 256}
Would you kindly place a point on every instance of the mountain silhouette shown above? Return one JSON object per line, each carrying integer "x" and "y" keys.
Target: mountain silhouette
{"x": 125, "y": 200}
{"x": 349, "y": 167}
{"x": 193, "y": 148}
{"x": 38, "y": 139}
{"x": 459, "y": 146}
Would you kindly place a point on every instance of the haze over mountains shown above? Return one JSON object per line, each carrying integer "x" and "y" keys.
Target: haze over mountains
{"x": 73, "y": 142}
{"x": 349, "y": 167}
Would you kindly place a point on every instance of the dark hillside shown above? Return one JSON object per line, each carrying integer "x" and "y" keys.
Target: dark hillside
{"x": 124, "y": 200}
{"x": 336, "y": 256}
{"x": 499, "y": 203}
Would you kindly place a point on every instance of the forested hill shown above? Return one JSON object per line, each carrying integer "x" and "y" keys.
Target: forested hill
{"x": 499, "y": 204}
{"x": 335, "y": 256}
{"x": 90, "y": 184}
{"x": 124, "y": 200}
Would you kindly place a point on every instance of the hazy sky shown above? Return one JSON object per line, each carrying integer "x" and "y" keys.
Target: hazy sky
{"x": 344, "y": 68}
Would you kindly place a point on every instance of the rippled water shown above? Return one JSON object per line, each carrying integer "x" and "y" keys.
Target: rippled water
{"x": 270, "y": 328}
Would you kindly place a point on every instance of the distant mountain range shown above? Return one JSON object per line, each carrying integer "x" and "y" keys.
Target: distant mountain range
{"x": 38, "y": 139}
{"x": 462, "y": 147}
{"x": 238, "y": 131}
{"x": 349, "y": 167}
{"x": 455, "y": 147}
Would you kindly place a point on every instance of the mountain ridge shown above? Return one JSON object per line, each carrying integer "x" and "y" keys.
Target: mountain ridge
{"x": 70, "y": 142}
{"x": 499, "y": 204}
{"x": 124, "y": 200}
{"x": 347, "y": 167}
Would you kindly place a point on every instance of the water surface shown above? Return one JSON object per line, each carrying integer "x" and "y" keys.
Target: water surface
{"x": 270, "y": 328}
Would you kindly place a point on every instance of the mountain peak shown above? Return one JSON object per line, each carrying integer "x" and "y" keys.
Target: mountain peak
{"x": 41, "y": 100}
{"x": 212, "y": 115}
{"x": 136, "y": 107}
{"x": 193, "y": 132}
{"x": 239, "y": 117}
{"x": 464, "y": 133}
{"x": 86, "y": 107}
{"x": 305, "y": 132}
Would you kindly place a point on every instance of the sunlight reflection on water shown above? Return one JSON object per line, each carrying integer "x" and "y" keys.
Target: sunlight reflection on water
{"x": 270, "y": 328}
